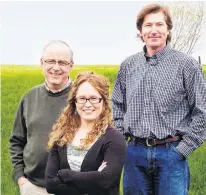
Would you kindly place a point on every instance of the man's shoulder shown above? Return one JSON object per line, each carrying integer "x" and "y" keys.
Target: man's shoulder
{"x": 184, "y": 61}
{"x": 132, "y": 60}
{"x": 33, "y": 90}
{"x": 183, "y": 56}
{"x": 133, "y": 57}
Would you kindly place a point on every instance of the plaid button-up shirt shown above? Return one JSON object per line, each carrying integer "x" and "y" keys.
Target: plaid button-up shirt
{"x": 161, "y": 96}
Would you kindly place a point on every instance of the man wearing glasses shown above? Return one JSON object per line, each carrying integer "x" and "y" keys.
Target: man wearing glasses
{"x": 37, "y": 112}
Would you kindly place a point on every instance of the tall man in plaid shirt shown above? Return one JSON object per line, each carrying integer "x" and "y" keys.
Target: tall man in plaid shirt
{"x": 159, "y": 103}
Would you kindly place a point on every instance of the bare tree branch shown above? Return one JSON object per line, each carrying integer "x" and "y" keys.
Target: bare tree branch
{"x": 188, "y": 24}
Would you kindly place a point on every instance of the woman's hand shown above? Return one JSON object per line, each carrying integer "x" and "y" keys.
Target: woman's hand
{"x": 103, "y": 165}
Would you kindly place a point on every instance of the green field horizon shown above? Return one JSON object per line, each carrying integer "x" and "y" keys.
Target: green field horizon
{"x": 16, "y": 80}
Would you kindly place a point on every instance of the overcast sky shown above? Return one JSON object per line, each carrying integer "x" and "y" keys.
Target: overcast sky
{"x": 98, "y": 32}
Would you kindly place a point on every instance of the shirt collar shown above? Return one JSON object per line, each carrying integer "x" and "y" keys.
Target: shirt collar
{"x": 160, "y": 54}
{"x": 65, "y": 86}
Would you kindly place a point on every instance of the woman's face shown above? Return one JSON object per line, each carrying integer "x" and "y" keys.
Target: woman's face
{"x": 89, "y": 102}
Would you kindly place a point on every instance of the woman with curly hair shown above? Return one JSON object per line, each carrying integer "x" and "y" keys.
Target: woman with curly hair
{"x": 86, "y": 153}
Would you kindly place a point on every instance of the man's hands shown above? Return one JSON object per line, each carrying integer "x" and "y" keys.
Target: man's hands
{"x": 103, "y": 165}
{"x": 22, "y": 180}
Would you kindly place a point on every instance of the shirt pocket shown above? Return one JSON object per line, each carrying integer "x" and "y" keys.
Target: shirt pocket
{"x": 169, "y": 96}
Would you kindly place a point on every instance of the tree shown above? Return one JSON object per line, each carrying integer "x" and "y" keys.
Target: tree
{"x": 188, "y": 25}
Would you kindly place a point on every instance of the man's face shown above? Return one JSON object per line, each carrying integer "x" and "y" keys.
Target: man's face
{"x": 56, "y": 74}
{"x": 154, "y": 31}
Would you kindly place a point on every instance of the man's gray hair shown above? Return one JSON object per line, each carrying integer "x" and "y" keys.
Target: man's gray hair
{"x": 57, "y": 41}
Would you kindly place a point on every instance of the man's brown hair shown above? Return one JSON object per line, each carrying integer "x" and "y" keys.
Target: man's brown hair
{"x": 155, "y": 8}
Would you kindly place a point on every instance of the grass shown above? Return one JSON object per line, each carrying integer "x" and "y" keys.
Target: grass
{"x": 16, "y": 80}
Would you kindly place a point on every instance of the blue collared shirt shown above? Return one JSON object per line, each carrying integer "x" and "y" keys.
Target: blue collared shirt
{"x": 161, "y": 96}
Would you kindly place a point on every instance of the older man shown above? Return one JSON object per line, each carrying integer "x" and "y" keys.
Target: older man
{"x": 159, "y": 103}
{"x": 37, "y": 112}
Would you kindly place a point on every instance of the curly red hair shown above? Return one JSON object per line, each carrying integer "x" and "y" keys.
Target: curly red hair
{"x": 63, "y": 131}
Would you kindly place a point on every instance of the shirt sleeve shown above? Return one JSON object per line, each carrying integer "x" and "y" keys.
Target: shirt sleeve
{"x": 195, "y": 85}
{"x": 119, "y": 99}
{"x": 17, "y": 141}
{"x": 53, "y": 183}
{"x": 114, "y": 155}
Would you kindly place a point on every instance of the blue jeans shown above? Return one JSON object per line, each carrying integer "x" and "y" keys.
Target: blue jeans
{"x": 156, "y": 170}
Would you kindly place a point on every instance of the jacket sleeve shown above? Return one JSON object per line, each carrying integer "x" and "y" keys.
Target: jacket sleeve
{"x": 114, "y": 155}
{"x": 53, "y": 183}
{"x": 195, "y": 85}
{"x": 119, "y": 99}
{"x": 18, "y": 140}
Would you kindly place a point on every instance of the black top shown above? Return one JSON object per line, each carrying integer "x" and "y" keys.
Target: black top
{"x": 61, "y": 180}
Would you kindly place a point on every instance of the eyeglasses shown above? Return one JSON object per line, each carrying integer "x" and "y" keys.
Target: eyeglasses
{"x": 52, "y": 62}
{"x": 92, "y": 100}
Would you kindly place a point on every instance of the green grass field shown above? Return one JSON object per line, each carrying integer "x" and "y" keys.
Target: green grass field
{"x": 16, "y": 80}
